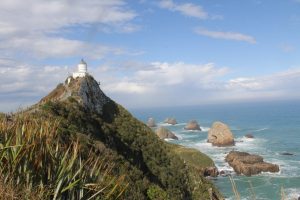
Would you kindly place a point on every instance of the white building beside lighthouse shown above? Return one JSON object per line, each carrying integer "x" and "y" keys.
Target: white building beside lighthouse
{"x": 81, "y": 70}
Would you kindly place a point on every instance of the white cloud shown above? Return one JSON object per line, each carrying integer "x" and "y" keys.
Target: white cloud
{"x": 24, "y": 78}
{"x": 44, "y": 47}
{"x": 127, "y": 87}
{"x": 281, "y": 85}
{"x": 226, "y": 35}
{"x": 135, "y": 84}
{"x": 165, "y": 84}
{"x": 283, "y": 80}
{"x": 152, "y": 76}
{"x": 187, "y": 9}
{"x": 37, "y": 27}
{"x": 44, "y": 16}
{"x": 159, "y": 83}
{"x": 23, "y": 85}
{"x": 245, "y": 83}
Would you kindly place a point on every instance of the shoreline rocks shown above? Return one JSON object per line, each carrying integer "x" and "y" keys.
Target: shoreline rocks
{"x": 193, "y": 126}
{"x": 151, "y": 122}
{"x": 249, "y": 164}
{"x": 211, "y": 171}
{"x": 164, "y": 133}
{"x": 171, "y": 121}
{"x": 220, "y": 135}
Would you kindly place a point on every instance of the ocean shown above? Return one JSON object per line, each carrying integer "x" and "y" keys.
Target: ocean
{"x": 276, "y": 130}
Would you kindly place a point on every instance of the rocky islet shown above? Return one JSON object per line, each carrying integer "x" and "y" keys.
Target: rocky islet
{"x": 192, "y": 126}
{"x": 220, "y": 135}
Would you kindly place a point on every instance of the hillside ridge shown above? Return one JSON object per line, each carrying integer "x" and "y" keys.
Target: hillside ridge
{"x": 149, "y": 167}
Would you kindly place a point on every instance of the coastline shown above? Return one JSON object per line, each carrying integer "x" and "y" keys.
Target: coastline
{"x": 275, "y": 127}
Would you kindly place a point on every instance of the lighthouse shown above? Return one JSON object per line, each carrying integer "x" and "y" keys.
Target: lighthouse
{"x": 81, "y": 69}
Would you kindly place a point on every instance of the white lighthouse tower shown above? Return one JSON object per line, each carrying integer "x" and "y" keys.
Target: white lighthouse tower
{"x": 81, "y": 69}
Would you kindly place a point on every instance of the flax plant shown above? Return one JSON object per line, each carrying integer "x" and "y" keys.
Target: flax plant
{"x": 34, "y": 157}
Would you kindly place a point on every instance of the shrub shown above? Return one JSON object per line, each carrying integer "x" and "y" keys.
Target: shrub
{"x": 154, "y": 192}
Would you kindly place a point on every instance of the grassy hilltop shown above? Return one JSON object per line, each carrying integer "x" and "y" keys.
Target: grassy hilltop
{"x": 60, "y": 149}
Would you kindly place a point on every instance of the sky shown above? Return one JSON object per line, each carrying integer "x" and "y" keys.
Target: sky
{"x": 152, "y": 53}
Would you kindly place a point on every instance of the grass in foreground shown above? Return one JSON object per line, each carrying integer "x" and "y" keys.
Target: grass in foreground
{"x": 252, "y": 195}
{"x": 36, "y": 162}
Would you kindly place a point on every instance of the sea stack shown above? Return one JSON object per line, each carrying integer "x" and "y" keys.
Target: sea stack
{"x": 220, "y": 135}
{"x": 151, "y": 122}
{"x": 192, "y": 125}
{"x": 164, "y": 133}
{"x": 171, "y": 121}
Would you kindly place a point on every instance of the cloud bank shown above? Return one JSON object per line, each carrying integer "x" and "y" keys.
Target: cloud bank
{"x": 135, "y": 84}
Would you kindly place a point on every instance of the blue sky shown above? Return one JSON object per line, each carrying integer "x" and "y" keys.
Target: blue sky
{"x": 152, "y": 53}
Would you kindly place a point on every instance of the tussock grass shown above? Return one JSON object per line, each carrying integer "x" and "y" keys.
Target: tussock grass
{"x": 252, "y": 195}
{"x": 35, "y": 157}
{"x": 234, "y": 188}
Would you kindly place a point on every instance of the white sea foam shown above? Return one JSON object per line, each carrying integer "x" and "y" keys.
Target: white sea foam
{"x": 226, "y": 168}
{"x": 166, "y": 124}
{"x": 234, "y": 198}
{"x": 292, "y": 193}
{"x": 261, "y": 129}
{"x": 251, "y": 145}
{"x": 204, "y": 129}
{"x": 190, "y": 131}
{"x": 179, "y": 137}
{"x": 288, "y": 168}
{"x": 168, "y": 139}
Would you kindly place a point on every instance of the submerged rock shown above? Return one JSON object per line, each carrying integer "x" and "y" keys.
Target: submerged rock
{"x": 164, "y": 133}
{"x": 220, "y": 135}
{"x": 151, "y": 122}
{"x": 211, "y": 171}
{"x": 249, "y": 135}
{"x": 192, "y": 125}
{"x": 249, "y": 164}
{"x": 287, "y": 154}
{"x": 171, "y": 121}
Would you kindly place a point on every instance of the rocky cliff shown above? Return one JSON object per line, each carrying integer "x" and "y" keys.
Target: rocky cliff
{"x": 84, "y": 90}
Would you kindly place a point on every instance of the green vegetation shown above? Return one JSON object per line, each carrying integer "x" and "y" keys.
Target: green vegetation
{"x": 154, "y": 192}
{"x": 146, "y": 159}
{"x": 193, "y": 157}
{"x": 2, "y": 115}
{"x": 36, "y": 157}
{"x": 61, "y": 150}
{"x": 55, "y": 94}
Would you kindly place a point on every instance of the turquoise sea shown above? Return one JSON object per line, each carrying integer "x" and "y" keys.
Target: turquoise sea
{"x": 276, "y": 130}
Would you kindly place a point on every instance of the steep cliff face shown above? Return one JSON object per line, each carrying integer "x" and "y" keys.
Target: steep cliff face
{"x": 152, "y": 168}
{"x": 85, "y": 90}
{"x": 91, "y": 95}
